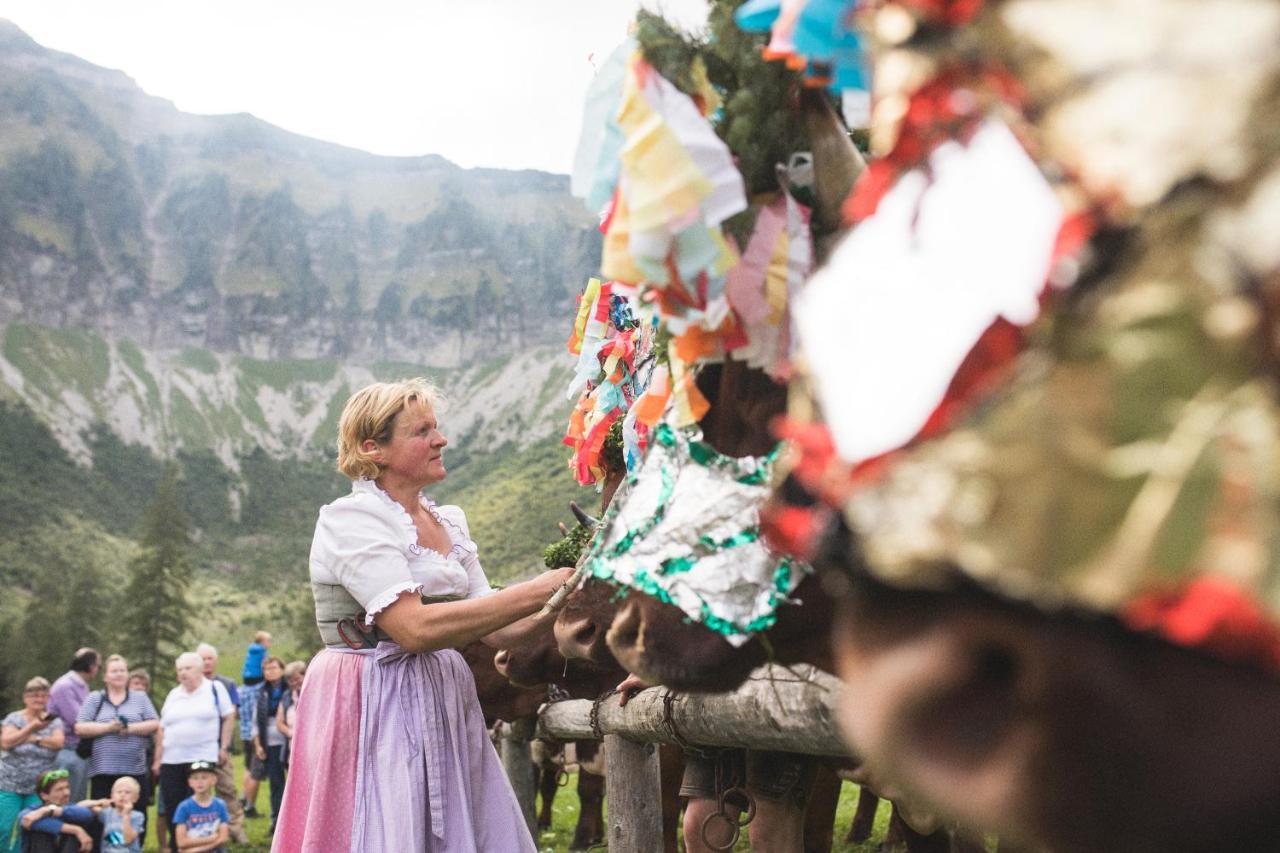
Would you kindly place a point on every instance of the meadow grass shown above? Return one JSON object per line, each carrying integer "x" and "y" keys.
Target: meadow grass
{"x": 564, "y": 818}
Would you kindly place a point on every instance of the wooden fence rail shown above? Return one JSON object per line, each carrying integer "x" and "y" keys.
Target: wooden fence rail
{"x": 791, "y": 710}
{"x": 785, "y": 709}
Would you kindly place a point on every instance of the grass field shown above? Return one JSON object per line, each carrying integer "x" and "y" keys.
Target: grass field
{"x": 565, "y": 813}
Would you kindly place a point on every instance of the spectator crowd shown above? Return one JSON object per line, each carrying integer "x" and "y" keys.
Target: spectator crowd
{"x": 80, "y": 766}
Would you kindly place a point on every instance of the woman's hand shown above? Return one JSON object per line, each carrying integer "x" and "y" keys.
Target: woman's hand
{"x": 630, "y": 686}
{"x": 558, "y": 577}
{"x": 259, "y": 751}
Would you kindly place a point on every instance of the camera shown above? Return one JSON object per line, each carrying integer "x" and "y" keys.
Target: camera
{"x": 122, "y": 721}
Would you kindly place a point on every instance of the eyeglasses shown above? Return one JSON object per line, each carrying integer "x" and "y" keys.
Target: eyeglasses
{"x": 48, "y": 777}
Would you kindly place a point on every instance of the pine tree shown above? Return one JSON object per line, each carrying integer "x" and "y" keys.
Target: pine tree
{"x": 155, "y": 612}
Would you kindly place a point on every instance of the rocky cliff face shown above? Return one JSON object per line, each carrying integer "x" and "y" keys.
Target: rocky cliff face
{"x": 194, "y": 399}
{"x": 122, "y": 215}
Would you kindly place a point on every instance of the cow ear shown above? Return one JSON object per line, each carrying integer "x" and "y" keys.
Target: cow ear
{"x": 947, "y": 703}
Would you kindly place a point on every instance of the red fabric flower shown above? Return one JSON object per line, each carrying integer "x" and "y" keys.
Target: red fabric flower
{"x": 792, "y": 529}
{"x": 1213, "y": 615}
{"x": 950, "y": 12}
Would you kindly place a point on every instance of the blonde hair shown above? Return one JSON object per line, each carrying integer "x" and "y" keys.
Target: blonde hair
{"x": 260, "y": 637}
{"x": 37, "y": 685}
{"x": 112, "y": 659}
{"x": 370, "y": 415}
{"x": 295, "y": 667}
{"x": 129, "y": 782}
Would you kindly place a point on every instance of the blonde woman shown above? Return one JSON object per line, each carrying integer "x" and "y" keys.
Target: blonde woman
{"x": 121, "y": 722}
{"x": 390, "y": 751}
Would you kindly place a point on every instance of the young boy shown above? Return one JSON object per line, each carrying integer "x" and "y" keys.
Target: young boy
{"x": 200, "y": 821}
{"x": 121, "y": 823}
{"x": 251, "y": 672}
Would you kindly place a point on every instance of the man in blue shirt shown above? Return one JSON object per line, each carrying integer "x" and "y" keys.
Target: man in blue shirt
{"x": 251, "y": 675}
{"x": 55, "y": 824}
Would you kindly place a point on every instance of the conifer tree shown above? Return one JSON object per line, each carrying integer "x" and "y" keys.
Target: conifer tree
{"x": 155, "y": 612}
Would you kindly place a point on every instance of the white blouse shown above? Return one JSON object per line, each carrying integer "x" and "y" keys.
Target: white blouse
{"x": 367, "y": 543}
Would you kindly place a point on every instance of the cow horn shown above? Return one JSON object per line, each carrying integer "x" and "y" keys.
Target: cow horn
{"x": 836, "y": 161}
{"x": 583, "y": 518}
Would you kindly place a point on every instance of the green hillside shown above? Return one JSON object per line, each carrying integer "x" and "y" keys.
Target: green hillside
{"x": 66, "y": 526}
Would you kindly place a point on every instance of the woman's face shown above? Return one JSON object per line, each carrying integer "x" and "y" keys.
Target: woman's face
{"x": 189, "y": 674}
{"x": 295, "y": 681}
{"x": 415, "y": 452}
{"x": 137, "y": 683}
{"x": 272, "y": 671}
{"x": 117, "y": 674}
{"x": 36, "y": 700}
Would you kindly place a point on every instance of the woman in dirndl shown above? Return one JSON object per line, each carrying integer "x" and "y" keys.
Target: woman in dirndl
{"x": 390, "y": 752}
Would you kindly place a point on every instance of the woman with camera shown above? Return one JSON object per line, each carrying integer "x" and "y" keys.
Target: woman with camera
{"x": 117, "y": 724}
{"x": 31, "y": 738}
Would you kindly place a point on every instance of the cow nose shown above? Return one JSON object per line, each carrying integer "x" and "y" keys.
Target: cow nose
{"x": 501, "y": 661}
{"x": 951, "y": 705}
{"x": 626, "y": 635}
{"x": 574, "y": 637}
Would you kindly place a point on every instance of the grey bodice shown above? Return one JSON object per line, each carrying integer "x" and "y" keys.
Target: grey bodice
{"x": 334, "y": 604}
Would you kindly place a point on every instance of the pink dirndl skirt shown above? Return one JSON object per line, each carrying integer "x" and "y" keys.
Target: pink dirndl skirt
{"x": 390, "y": 755}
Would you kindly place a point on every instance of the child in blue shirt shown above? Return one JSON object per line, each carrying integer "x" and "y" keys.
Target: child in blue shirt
{"x": 200, "y": 821}
{"x": 121, "y": 822}
{"x": 251, "y": 672}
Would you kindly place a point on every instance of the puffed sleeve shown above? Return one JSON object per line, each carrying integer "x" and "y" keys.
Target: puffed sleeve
{"x": 364, "y": 550}
{"x": 468, "y": 553}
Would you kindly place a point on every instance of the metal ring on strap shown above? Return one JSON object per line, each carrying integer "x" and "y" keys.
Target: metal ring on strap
{"x": 735, "y": 831}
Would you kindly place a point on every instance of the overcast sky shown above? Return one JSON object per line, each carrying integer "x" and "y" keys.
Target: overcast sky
{"x": 482, "y": 82}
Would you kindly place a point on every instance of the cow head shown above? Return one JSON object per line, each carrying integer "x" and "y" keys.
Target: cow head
{"x": 499, "y": 698}
{"x": 658, "y": 642}
{"x": 585, "y": 620}
{"x": 1020, "y": 722}
{"x": 537, "y": 662}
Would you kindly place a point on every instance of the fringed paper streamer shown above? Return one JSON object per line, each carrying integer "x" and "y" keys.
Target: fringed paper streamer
{"x": 586, "y": 302}
{"x": 775, "y": 265}
{"x": 598, "y": 160}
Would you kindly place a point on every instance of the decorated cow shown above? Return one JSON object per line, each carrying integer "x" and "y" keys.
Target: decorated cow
{"x": 1054, "y": 543}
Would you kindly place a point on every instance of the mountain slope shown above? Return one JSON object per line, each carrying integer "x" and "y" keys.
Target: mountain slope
{"x": 123, "y": 214}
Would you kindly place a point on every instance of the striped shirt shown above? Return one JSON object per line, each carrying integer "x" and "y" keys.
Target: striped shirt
{"x": 117, "y": 754}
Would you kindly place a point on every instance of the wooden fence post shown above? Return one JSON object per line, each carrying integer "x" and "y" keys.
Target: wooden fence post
{"x": 517, "y": 761}
{"x": 633, "y": 787}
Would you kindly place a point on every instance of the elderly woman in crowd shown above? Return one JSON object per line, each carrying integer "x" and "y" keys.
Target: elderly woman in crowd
{"x": 286, "y": 716}
{"x": 31, "y": 739}
{"x": 196, "y": 723}
{"x": 121, "y": 722}
{"x": 391, "y": 752}
{"x": 268, "y": 740}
